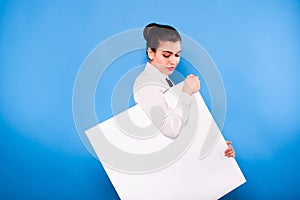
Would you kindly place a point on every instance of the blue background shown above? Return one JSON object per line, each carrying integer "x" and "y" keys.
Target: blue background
{"x": 256, "y": 46}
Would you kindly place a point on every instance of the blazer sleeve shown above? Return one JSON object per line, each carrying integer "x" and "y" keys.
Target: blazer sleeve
{"x": 168, "y": 120}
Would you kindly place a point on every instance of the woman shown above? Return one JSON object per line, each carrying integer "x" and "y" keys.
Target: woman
{"x": 163, "y": 50}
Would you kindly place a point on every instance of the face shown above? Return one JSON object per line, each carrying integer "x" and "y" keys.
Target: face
{"x": 166, "y": 57}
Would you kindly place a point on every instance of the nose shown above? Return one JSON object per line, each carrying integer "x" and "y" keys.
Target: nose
{"x": 174, "y": 60}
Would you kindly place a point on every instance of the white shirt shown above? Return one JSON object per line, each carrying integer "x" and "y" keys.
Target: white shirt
{"x": 149, "y": 89}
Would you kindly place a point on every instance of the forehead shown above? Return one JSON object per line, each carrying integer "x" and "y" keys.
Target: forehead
{"x": 170, "y": 46}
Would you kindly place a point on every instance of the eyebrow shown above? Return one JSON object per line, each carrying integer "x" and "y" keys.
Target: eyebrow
{"x": 171, "y": 52}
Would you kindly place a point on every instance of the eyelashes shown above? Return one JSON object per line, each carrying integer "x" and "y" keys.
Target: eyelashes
{"x": 168, "y": 56}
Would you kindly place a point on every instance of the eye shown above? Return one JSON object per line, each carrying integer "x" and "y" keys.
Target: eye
{"x": 177, "y": 55}
{"x": 166, "y": 55}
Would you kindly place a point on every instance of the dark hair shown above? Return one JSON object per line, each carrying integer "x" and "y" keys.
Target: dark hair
{"x": 154, "y": 33}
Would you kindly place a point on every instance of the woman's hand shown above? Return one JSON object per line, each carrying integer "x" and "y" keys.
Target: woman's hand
{"x": 191, "y": 84}
{"x": 229, "y": 152}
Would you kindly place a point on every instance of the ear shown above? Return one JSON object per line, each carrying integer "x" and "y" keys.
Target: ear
{"x": 150, "y": 53}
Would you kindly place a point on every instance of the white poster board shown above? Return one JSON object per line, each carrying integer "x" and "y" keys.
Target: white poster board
{"x": 201, "y": 172}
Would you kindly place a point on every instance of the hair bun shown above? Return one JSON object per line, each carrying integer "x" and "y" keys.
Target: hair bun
{"x": 147, "y": 30}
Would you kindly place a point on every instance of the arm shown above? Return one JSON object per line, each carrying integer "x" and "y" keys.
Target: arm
{"x": 169, "y": 121}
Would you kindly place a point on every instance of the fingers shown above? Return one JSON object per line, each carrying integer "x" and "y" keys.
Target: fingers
{"x": 191, "y": 84}
{"x": 229, "y": 152}
{"x": 194, "y": 82}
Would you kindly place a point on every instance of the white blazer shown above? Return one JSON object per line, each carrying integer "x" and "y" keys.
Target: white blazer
{"x": 149, "y": 89}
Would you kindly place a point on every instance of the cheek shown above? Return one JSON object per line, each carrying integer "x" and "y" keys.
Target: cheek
{"x": 163, "y": 60}
{"x": 175, "y": 60}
